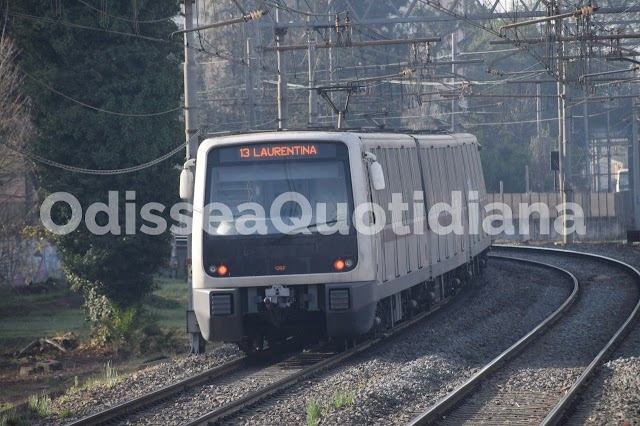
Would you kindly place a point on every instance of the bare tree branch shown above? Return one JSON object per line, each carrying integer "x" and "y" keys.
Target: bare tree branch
{"x": 16, "y": 198}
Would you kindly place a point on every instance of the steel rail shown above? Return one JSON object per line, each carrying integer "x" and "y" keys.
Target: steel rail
{"x": 255, "y": 396}
{"x": 562, "y": 408}
{"x": 135, "y": 404}
{"x": 444, "y": 404}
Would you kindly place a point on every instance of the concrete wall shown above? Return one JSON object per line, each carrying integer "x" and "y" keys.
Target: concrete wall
{"x": 607, "y": 216}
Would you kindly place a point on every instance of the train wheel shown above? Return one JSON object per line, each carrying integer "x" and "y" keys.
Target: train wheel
{"x": 381, "y": 320}
{"x": 251, "y": 344}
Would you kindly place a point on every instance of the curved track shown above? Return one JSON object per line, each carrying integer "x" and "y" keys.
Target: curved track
{"x": 502, "y": 391}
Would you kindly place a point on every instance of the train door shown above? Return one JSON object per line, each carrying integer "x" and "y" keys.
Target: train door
{"x": 416, "y": 222}
{"x": 395, "y": 185}
{"x": 408, "y": 241}
{"x": 446, "y": 219}
{"x": 388, "y": 241}
{"x": 376, "y": 197}
{"x": 471, "y": 216}
{"x": 480, "y": 186}
{"x": 438, "y": 186}
{"x": 430, "y": 239}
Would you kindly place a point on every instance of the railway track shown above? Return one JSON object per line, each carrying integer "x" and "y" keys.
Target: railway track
{"x": 259, "y": 377}
{"x": 235, "y": 409}
{"x": 130, "y": 407}
{"x": 512, "y": 388}
{"x": 241, "y": 412}
{"x": 253, "y": 384}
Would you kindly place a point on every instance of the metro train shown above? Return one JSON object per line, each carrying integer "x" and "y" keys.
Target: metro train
{"x": 292, "y": 232}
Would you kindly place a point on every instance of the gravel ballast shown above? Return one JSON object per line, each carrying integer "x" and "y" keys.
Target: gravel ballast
{"x": 87, "y": 401}
{"x": 613, "y": 396}
{"x": 406, "y": 374}
{"x": 411, "y": 371}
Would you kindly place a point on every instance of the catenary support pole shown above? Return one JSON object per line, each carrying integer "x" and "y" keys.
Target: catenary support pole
{"x": 283, "y": 105}
{"x": 634, "y": 171}
{"x": 454, "y": 102}
{"x": 191, "y": 129}
{"x": 587, "y": 141}
{"x": 251, "y": 103}
{"x": 313, "y": 95}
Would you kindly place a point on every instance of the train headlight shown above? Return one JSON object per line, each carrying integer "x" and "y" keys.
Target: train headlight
{"x": 213, "y": 269}
{"x": 339, "y": 265}
{"x": 348, "y": 263}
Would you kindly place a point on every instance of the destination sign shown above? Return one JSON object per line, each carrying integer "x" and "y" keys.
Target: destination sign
{"x": 278, "y": 151}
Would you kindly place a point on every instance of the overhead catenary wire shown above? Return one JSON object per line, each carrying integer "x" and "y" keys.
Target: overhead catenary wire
{"x": 86, "y": 105}
{"x": 120, "y": 33}
{"x": 120, "y": 18}
{"x": 76, "y": 169}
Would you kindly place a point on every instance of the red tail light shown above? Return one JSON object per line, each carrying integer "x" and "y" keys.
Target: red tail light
{"x": 222, "y": 270}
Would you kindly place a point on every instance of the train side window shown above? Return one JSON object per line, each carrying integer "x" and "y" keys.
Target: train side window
{"x": 385, "y": 193}
{"x": 473, "y": 173}
{"x": 466, "y": 170}
{"x": 445, "y": 187}
{"x": 479, "y": 173}
{"x": 468, "y": 175}
{"x": 374, "y": 196}
{"x": 412, "y": 182}
{"x": 472, "y": 167}
{"x": 405, "y": 182}
{"x": 396, "y": 180}
{"x": 426, "y": 176}
{"x": 436, "y": 178}
{"x": 453, "y": 170}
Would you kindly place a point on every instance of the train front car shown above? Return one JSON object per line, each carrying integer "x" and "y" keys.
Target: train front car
{"x": 275, "y": 249}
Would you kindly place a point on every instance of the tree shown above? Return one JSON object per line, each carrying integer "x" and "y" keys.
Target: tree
{"x": 16, "y": 207}
{"x": 121, "y": 62}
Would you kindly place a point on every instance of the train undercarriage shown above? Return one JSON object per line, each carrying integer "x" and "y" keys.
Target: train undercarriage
{"x": 258, "y": 315}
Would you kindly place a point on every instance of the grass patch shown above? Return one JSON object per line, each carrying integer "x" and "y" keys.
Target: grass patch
{"x": 339, "y": 400}
{"x": 314, "y": 412}
{"x": 159, "y": 302}
{"x": 342, "y": 399}
{"x": 42, "y": 324}
{"x": 40, "y": 405}
{"x": 10, "y": 417}
{"x": 172, "y": 288}
{"x": 65, "y": 414}
{"x": 26, "y": 317}
{"x": 53, "y": 293}
{"x": 30, "y": 316}
{"x": 108, "y": 378}
{"x": 169, "y": 303}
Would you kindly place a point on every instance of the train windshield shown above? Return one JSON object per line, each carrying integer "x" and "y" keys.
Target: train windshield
{"x": 272, "y": 189}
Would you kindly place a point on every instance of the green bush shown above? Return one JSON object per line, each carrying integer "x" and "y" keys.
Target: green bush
{"x": 133, "y": 330}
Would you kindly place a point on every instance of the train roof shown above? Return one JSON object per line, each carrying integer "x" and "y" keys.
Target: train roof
{"x": 358, "y": 130}
{"x": 334, "y": 134}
